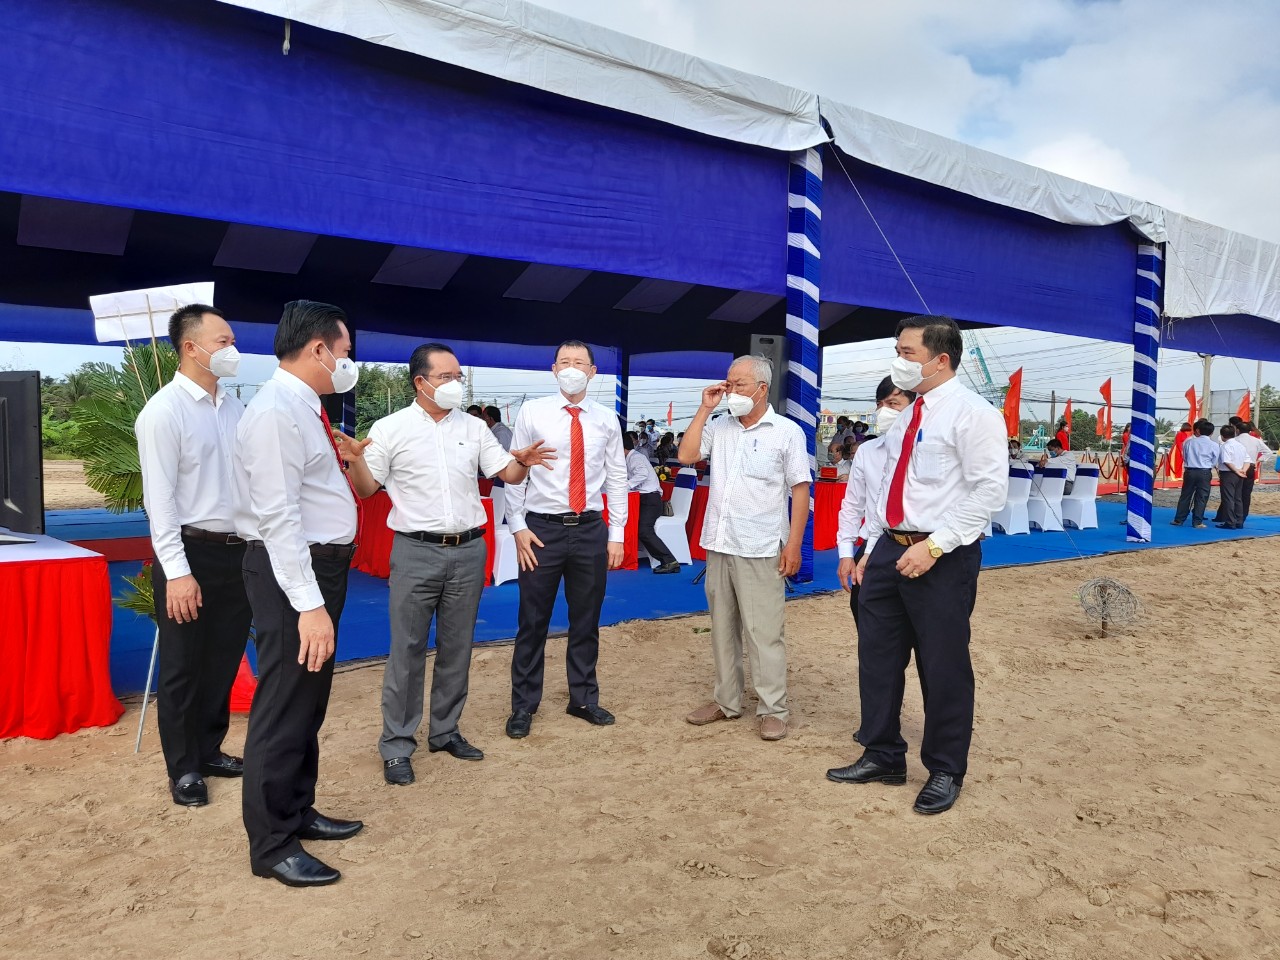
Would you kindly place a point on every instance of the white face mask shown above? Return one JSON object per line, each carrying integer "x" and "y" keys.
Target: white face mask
{"x": 222, "y": 363}
{"x": 344, "y": 375}
{"x": 572, "y": 380}
{"x": 885, "y": 418}
{"x": 907, "y": 374}
{"x": 448, "y": 396}
{"x": 740, "y": 406}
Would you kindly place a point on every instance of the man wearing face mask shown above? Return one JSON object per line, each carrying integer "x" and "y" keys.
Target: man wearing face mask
{"x": 428, "y": 455}
{"x": 556, "y": 517}
{"x": 947, "y": 470}
{"x": 298, "y": 512}
{"x": 186, "y": 438}
{"x": 759, "y": 459}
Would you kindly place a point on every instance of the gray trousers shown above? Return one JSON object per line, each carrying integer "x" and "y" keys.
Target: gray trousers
{"x": 429, "y": 580}
{"x": 746, "y": 597}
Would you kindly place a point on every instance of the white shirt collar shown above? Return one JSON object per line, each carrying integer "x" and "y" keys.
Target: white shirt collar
{"x": 198, "y": 392}
{"x": 298, "y": 387}
{"x": 769, "y": 416}
{"x": 941, "y": 391}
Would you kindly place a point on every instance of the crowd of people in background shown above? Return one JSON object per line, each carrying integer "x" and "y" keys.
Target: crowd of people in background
{"x": 1236, "y": 454}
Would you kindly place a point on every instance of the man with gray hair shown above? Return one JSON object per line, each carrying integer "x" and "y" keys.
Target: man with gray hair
{"x": 758, "y": 459}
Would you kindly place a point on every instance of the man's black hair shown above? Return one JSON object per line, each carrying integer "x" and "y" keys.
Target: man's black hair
{"x": 1055, "y": 442}
{"x": 303, "y": 321}
{"x": 420, "y": 359}
{"x": 493, "y": 413}
{"x": 628, "y": 440}
{"x": 885, "y": 390}
{"x": 938, "y": 334}
{"x": 1205, "y": 428}
{"x": 1227, "y": 432}
{"x": 591, "y": 354}
{"x": 185, "y": 320}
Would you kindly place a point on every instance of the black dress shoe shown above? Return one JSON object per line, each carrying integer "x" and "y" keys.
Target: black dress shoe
{"x": 1224, "y": 526}
{"x": 326, "y": 828}
{"x": 939, "y": 794}
{"x": 518, "y": 724}
{"x": 223, "y": 766}
{"x": 189, "y": 790}
{"x": 865, "y": 770}
{"x": 458, "y": 747}
{"x": 592, "y": 713}
{"x": 398, "y": 771}
{"x": 672, "y": 567}
{"x": 301, "y": 870}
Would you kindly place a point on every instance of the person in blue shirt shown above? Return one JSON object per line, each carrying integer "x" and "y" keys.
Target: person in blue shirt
{"x": 1199, "y": 457}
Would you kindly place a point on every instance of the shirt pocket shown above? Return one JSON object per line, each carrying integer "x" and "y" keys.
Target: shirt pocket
{"x": 762, "y": 462}
{"x": 934, "y": 462}
{"x": 465, "y": 457}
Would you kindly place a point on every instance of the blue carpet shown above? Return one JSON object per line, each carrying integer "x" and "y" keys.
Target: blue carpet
{"x": 639, "y": 595}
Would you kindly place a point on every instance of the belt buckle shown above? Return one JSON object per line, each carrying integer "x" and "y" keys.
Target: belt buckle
{"x": 901, "y": 539}
{"x": 571, "y": 519}
{"x": 451, "y": 540}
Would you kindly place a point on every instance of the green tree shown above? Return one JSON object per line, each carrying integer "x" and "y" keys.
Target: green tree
{"x": 1084, "y": 430}
{"x": 1270, "y": 425}
{"x": 383, "y": 389}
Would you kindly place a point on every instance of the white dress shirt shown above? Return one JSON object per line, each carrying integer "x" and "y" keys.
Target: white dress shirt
{"x": 959, "y": 470}
{"x": 865, "y": 480}
{"x": 752, "y": 472}
{"x": 844, "y": 466}
{"x": 641, "y": 477}
{"x": 186, "y": 439}
{"x": 1064, "y": 461}
{"x": 429, "y": 468}
{"x": 502, "y": 433}
{"x": 1254, "y": 449}
{"x": 547, "y": 491}
{"x": 291, "y": 490}
{"x": 1233, "y": 452}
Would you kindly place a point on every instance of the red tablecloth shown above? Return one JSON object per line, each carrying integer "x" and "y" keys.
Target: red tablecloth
{"x": 55, "y": 641}
{"x": 373, "y": 550}
{"x": 631, "y": 535}
{"x": 827, "y": 497}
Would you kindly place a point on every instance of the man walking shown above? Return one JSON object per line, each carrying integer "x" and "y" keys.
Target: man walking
{"x": 1199, "y": 457}
{"x": 948, "y": 472}
{"x": 557, "y": 520}
{"x": 297, "y": 510}
{"x": 428, "y": 456}
{"x": 759, "y": 459}
{"x": 186, "y": 439}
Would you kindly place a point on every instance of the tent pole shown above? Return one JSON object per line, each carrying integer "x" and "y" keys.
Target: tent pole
{"x": 803, "y": 376}
{"x": 1146, "y": 352}
{"x": 621, "y": 403}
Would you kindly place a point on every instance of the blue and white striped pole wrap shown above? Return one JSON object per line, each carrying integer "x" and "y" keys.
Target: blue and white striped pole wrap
{"x": 620, "y": 398}
{"x": 1146, "y": 353}
{"x": 804, "y": 263}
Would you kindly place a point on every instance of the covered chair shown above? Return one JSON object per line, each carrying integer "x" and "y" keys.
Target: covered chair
{"x": 1080, "y": 506}
{"x": 1044, "y": 507}
{"x": 1012, "y": 517}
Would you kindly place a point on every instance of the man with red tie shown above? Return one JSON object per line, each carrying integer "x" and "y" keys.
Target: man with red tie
{"x": 948, "y": 472}
{"x": 298, "y": 514}
{"x": 556, "y": 517}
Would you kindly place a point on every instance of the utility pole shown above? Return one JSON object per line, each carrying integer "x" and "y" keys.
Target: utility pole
{"x": 470, "y": 388}
{"x": 1257, "y": 400}
{"x": 1205, "y": 397}
{"x": 1053, "y": 410}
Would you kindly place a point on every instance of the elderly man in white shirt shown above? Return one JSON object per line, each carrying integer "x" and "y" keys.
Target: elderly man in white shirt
{"x": 947, "y": 469}
{"x": 759, "y": 459}
{"x": 298, "y": 512}
{"x": 428, "y": 456}
{"x": 186, "y": 438}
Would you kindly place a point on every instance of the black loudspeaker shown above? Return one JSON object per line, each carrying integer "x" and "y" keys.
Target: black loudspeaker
{"x": 774, "y": 349}
{"x": 21, "y": 456}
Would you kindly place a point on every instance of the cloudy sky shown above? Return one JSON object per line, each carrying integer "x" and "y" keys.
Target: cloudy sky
{"x": 1172, "y": 101}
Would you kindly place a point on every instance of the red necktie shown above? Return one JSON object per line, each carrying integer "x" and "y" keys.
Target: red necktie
{"x": 342, "y": 465}
{"x": 577, "y": 464}
{"x": 893, "y": 509}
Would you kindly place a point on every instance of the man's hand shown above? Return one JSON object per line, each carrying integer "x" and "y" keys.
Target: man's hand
{"x": 535, "y": 455}
{"x": 182, "y": 599}
{"x": 860, "y": 571}
{"x": 845, "y": 573}
{"x": 789, "y": 559}
{"x": 615, "y": 555}
{"x": 315, "y": 635}
{"x": 525, "y": 542}
{"x": 916, "y": 561}
{"x": 712, "y": 395}
{"x": 350, "y": 448}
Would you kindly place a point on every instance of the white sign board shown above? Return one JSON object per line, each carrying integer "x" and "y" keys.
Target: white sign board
{"x": 143, "y": 314}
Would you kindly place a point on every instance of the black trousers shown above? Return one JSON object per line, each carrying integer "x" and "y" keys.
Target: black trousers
{"x": 578, "y": 556}
{"x": 1196, "y": 482}
{"x": 650, "y": 511}
{"x": 928, "y": 615}
{"x": 854, "y": 589}
{"x": 282, "y": 751}
{"x": 1246, "y": 491}
{"x": 1231, "y": 489}
{"x": 199, "y": 659}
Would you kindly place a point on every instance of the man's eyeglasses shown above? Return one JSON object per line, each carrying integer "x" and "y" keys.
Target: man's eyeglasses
{"x": 446, "y": 377}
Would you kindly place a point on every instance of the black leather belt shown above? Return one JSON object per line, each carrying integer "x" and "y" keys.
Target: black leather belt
{"x": 906, "y": 538}
{"x": 569, "y": 519}
{"x": 210, "y": 536}
{"x": 444, "y": 539}
{"x": 321, "y": 551}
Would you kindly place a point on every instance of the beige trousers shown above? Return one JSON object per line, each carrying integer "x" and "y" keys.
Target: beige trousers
{"x": 746, "y": 598}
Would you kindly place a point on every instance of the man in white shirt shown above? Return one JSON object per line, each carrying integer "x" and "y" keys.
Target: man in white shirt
{"x": 1255, "y": 452}
{"x": 428, "y": 456}
{"x": 947, "y": 469}
{"x": 298, "y": 512}
{"x": 556, "y": 517}
{"x": 759, "y": 459}
{"x": 642, "y": 479}
{"x": 1054, "y": 457}
{"x": 493, "y": 417}
{"x": 1233, "y": 462}
{"x": 186, "y": 438}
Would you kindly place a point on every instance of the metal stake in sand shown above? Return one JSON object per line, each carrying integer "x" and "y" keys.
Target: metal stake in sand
{"x": 1109, "y": 601}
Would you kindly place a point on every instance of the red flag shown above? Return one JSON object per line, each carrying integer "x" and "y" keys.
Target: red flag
{"x": 669, "y": 413}
{"x": 1066, "y": 415}
{"x": 1013, "y": 404}
{"x": 1105, "y": 390}
{"x": 1195, "y": 410}
{"x": 1101, "y": 429}
{"x": 1246, "y": 406}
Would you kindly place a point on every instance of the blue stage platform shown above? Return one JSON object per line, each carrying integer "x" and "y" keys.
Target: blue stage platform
{"x": 637, "y": 595}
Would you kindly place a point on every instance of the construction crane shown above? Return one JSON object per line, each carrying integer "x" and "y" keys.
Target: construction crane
{"x": 985, "y": 374}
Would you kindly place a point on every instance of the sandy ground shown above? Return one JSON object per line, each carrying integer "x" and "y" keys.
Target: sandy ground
{"x": 64, "y": 486}
{"x": 1121, "y": 802}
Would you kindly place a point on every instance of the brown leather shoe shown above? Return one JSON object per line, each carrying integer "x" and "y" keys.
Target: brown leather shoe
{"x": 708, "y": 714}
{"x": 773, "y": 728}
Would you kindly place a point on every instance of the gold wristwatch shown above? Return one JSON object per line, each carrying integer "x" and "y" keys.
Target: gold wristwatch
{"x": 935, "y": 551}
